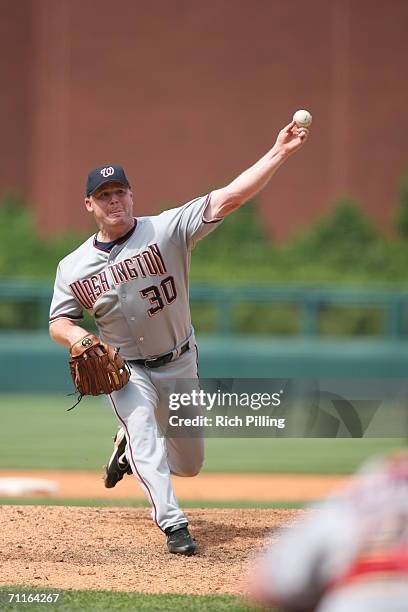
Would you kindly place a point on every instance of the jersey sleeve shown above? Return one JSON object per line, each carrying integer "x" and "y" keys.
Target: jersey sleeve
{"x": 190, "y": 222}
{"x": 63, "y": 304}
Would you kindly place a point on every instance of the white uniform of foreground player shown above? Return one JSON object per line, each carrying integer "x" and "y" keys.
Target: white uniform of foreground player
{"x": 132, "y": 277}
{"x": 350, "y": 555}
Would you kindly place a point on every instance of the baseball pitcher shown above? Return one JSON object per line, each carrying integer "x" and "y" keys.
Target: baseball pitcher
{"x": 132, "y": 277}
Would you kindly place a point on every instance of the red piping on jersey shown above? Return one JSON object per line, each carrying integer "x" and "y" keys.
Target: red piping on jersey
{"x": 214, "y": 221}
{"x": 65, "y": 316}
{"x": 206, "y": 203}
{"x": 134, "y": 464}
{"x": 118, "y": 241}
{"x": 395, "y": 562}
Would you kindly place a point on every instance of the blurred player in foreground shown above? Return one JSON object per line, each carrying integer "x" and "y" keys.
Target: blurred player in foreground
{"x": 350, "y": 555}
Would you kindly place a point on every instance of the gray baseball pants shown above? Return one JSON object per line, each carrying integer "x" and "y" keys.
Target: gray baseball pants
{"x": 142, "y": 409}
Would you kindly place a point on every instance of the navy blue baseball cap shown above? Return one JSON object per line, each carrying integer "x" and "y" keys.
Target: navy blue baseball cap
{"x": 105, "y": 174}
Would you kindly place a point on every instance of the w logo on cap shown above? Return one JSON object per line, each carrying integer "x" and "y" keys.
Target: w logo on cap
{"x": 105, "y": 174}
{"x": 107, "y": 171}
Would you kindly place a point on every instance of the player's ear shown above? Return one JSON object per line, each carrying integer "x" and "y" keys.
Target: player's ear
{"x": 88, "y": 204}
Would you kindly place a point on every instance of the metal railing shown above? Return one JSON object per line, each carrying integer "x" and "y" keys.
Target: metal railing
{"x": 310, "y": 302}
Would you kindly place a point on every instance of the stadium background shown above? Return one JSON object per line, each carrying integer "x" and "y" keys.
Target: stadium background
{"x": 309, "y": 280}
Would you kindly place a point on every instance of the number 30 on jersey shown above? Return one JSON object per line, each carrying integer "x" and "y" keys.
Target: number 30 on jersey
{"x": 158, "y": 296}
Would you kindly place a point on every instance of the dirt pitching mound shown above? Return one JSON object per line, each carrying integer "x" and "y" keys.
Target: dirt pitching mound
{"x": 121, "y": 549}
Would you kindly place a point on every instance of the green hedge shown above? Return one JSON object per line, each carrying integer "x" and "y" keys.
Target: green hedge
{"x": 342, "y": 247}
{"x": 24, "y": 253}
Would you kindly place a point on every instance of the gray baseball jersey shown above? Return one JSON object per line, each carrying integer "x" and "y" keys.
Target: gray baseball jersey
{"x": 138, "y": 291}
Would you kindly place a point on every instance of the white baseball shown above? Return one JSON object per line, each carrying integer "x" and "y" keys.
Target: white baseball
{"x": 303, "y": 118}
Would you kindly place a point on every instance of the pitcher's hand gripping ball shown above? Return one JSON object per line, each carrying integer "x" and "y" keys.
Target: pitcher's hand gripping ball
{"x": 97, "y": 367}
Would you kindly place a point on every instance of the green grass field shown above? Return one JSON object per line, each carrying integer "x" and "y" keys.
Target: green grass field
{"x": 101, "y": 601}
{"x": 37, "y": 432}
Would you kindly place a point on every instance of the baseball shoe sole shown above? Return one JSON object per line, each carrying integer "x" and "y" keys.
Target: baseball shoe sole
{"x": 118, "y": 464}
{"x": 179, "y": 541}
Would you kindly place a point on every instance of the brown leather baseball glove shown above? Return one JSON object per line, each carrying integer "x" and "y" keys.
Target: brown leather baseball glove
{"x": 97, "y": 367}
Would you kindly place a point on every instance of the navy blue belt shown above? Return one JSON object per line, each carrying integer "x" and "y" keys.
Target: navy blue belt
{"x": 156, "y": 362}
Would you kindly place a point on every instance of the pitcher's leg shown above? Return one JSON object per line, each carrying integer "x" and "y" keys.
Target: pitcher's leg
{"x": 185, "y": 451}
{"x": 134, "y": 406}
{"x": 185, "y": 456}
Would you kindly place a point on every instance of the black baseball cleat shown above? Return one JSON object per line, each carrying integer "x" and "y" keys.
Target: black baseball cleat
{"x": 179, "y": 540}
{"x": 118, "y": 464}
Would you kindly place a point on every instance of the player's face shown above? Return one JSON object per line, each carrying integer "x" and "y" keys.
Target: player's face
{"x": 112, "y": 206}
